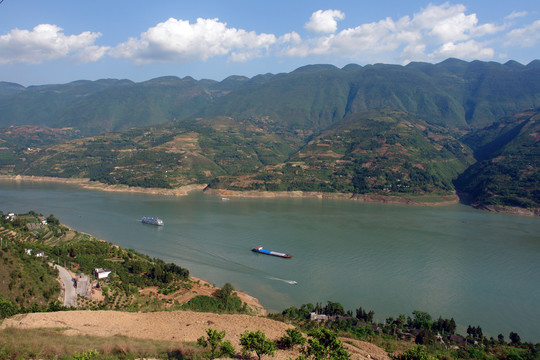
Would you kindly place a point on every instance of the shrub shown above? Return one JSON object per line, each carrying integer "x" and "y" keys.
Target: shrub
{"x": 415, "y": 353}
{"x": 291, "y": 338}
{"x": 218, "y": 347}
{"x": 256, "y": 341}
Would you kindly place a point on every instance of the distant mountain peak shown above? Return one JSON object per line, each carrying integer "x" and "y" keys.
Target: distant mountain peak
{"x": 164, "y": 80}
{"x": 534, "y": 64}
{"x": 314, "y": 68}
{"x": 351, "y": 67}
{"x": 514, "y": 64}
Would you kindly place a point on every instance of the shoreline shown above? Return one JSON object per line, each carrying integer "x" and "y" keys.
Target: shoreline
{"x": 86, "y": 183}
{"x": 224, "y": 193}
{"x": 200, "y": 286}
{"x": 185, "y": 190}
{"x": 386, "y": 199}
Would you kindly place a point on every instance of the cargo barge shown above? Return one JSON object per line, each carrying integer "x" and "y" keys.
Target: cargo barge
{"x": 260, "y": 250}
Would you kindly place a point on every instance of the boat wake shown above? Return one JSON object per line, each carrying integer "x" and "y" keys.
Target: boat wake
{"x": 194, "y": 254}
{"x": 290, "y": 282}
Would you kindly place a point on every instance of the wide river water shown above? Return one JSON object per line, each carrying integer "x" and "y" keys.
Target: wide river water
{"x": 481, "y": 268}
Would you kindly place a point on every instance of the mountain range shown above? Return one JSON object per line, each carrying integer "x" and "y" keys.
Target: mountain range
{"x": 419, "y": 130}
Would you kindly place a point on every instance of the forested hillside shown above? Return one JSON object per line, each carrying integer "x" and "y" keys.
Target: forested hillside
{"x": 508, "y": 156}
{"x": 453, "y": 93}
{"x": 420, "y": 130}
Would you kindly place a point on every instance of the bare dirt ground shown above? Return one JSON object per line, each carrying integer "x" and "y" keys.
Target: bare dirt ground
{"x": 200, "y": 287}
{"x": 178, "y": 326}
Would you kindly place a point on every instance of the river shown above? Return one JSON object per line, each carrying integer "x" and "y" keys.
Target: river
{"x": 481, "y": 268}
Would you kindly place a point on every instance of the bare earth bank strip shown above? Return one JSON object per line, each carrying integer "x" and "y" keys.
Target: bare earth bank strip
{"x": 185, "y": 190}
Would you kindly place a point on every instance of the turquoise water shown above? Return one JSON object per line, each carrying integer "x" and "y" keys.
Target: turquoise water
{"x": 481, "y": 268}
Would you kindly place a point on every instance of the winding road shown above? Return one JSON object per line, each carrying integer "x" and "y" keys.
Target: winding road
{"x": 70, "y": 294}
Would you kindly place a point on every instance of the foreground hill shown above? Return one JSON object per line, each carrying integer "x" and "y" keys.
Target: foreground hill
{"x": 31, "y": 243}
{"x": 176, "y": 326}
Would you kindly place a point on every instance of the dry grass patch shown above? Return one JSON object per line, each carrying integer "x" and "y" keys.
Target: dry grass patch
{"x": 53, "y": 343}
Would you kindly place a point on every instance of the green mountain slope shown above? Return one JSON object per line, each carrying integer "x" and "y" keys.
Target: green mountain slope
{"x": 42, "y": 105}
{"x": 168, "y": 156}
{"x": 508, "y": 173}
{"x": 381, "y": 153}
{"x": 149, "y": 103}
{"x": 414, "y": 130}
{"x": 453, "y": 93}
{"x": 309, "y": 98}
{"x": 384, "y": 152}
{"x": 7, "y": 88}
{"x": 26, "y": 279}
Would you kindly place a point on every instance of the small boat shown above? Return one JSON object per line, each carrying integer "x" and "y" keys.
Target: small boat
{"x": 152, "y": 221}
{"x": 292, "y": 282}
{"x": 260, "y": 250}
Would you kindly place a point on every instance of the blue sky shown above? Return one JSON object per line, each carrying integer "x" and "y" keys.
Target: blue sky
{"x": 57, "y": 41}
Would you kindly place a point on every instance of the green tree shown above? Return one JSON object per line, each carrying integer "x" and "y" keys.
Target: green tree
{"x": 291, "y": 338}
{"x": 324, "y": 344}
{"x": 51, "y": 219}
{"x": 422, "y": 320}
{"x": 225, "y": 293}
{"x": 228, "y": 300}
{"x": 218, "y": 347}
{"x": 7, "y": 308}
{"x": 333, "y": 309}
{"x": 362, "y": 315}
{"x": 256, "y": 341}
{"x": 425, "y": 337}
{"x": 514, "y": 338}
{"x": 445, "y": 326}
{"x": 415, "y": 353}
{"x": 475, "y": 332}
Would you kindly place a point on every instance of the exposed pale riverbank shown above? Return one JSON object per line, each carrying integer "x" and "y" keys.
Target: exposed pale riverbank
{"x": 185, "y": 190}
{"x": 441, "y": 200}
{"x": 94, "y": 185}
{"x": 427, "y": 200}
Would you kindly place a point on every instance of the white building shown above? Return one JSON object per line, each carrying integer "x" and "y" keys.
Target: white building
{"x": 101, "y": 273}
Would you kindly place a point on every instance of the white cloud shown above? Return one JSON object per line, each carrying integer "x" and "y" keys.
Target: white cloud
{"x": 374, "y": 37}
{"x": 48, "y": 42}
{"x": 431, "y": 34}
{"x": 463, "y": 50}
{"x": 516, "y": 14}
{"x": 445, "y": 22}
{"x": 178, "y": 40}
{"x": 324, "y": 22}
{"x": 292, "y": 37}
{"x": 527, "y": 36}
